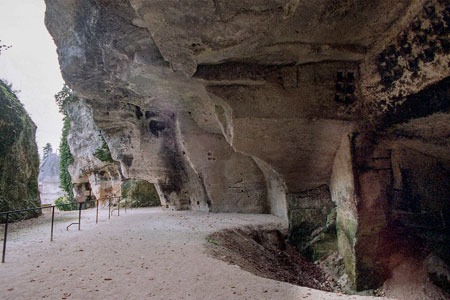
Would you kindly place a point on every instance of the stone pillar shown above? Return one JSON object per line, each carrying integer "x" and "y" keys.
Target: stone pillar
{"x": 342, "y": 187}
{"x": 360, "y": 186}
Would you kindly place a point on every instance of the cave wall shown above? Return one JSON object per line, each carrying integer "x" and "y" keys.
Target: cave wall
{"x": 390, "y": 198}
{"x": 312, "y": 222}
{"x": 276, "y": 190}
{"x": 420, "y": 199}
{"x": 231, "y": 180}
{"x": 142, "y": 109}
{"x": 413, "y": 56}
{"x": 295, "y": 112}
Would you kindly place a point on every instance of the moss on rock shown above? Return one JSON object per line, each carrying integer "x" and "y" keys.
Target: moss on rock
{"x": 140, "y": 192}
{"x": 103, "y": 152}
{"x": 19, "y": 158}
{"x": 312, "y": 223}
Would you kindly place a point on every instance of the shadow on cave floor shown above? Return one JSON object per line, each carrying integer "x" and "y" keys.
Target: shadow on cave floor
{"x": 265, "y": 253}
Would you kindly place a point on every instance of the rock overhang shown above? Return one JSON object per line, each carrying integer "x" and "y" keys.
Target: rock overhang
{"x": 239, "y": 105}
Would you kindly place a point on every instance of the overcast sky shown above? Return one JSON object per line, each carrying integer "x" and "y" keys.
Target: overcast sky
{"x": 31, "y": 65}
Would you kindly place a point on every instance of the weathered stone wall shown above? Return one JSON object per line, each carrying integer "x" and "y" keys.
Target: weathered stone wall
{"x": 413, "y": 56}
{"x": 19, "y": 158}
{"x": 373, "y": 242}
{"x": 312, "y": 222}
{"x": 420, "y": 199}
{"x": 387, "y": 191}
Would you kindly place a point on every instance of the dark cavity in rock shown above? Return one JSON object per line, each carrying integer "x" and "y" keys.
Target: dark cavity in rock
{"x": 156, "y": 127}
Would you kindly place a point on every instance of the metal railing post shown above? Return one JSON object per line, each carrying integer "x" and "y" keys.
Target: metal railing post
{"x": 118, "y": 208}
{"x": 4, "y": 238}
{"x": 109, "y": 208}
{"x": 53, "y": 221}
{"x": 96, "y": 218}
{"x": 126, "y": 203}
{"x": 79, "y": 215}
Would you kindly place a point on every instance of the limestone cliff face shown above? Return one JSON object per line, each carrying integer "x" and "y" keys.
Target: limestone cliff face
{"x": 261, "y": 106}
{"x": 89, "y": 171}
{"x": 19, "y": 159}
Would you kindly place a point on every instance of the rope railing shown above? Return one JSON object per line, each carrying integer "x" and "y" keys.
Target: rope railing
{"x": 52, "y": 207}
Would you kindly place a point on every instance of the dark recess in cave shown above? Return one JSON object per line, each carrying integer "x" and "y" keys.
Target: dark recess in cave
{"x": 149, "y": 114}
{"x": 156, "y": 127}
{"x": 138, "y": 112}
{"x": 127, "y": 160}
{"x": 433, "y": 99}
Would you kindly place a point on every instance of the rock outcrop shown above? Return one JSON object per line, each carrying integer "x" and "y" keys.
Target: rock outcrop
{"x": 281, "y": 107}
{"x": 93, "y": 172}
{"x": 19, "y": 158}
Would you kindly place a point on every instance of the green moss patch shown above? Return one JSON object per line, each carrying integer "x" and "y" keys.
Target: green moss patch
{"x": 312, "y": 223}
{"x": 19, "y": 159}
{"x": 103, "y": 152}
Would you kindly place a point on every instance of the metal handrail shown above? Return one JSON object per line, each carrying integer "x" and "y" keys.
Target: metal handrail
{"x": 24, "y": 210}
{"x": 53, "y": 216}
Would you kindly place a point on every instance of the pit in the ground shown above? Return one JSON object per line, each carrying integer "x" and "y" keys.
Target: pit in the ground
{"x": 265, "y": 252}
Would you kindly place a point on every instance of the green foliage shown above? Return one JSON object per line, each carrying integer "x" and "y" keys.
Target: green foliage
{"x": 46, "y": 150}
{"x": 19, "y": 160}
{"x": 140, "y": 192}
{"x": 66, "y": 159}
{"x": 210, "y": 239}
{"x": 63, "y": 97}
{"x": 12, "y": 123}
{"x": 64, "y": 203}
{"x": 103, "y": 152}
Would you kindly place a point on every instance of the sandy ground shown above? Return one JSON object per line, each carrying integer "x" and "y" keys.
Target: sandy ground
{"x": 144, "y": 254}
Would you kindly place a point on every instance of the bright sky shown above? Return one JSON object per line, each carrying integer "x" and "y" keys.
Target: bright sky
{"x": 31, "y": 65}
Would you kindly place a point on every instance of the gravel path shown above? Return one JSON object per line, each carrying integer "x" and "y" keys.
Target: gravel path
{"x": 144, "y": 254}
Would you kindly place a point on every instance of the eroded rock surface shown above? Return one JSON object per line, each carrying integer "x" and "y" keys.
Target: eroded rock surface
{"x": 91, "y": 176}
{"x": 19, "y": 158}
{"x": 244, "y": 106}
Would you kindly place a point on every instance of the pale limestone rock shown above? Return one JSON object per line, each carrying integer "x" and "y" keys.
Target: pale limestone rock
{"x": 84, "y": 139}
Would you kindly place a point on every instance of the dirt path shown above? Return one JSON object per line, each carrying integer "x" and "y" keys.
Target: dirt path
{"x": 145, "y": 254}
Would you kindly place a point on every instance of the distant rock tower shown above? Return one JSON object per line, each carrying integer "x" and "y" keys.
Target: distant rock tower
{"x": 49, "y": 179}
